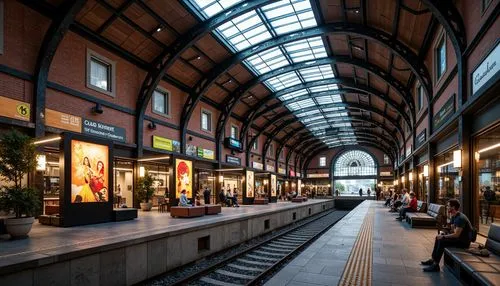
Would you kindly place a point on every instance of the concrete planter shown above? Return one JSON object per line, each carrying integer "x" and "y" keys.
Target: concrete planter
{"x": 146, "y": 206}
{"x": 19, "y": 227}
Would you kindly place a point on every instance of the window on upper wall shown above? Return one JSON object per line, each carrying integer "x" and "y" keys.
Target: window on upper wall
{"x": 282, "y": 154}
{"x": 440, "y": 57}
{"x": 386, "y": 160}
{"x": 234, "y": 132}
{"x": 270, "y": 151}
{"x": 486, "y": 4}
{"x": 1, "y": 27}
{"x": 206, "y": 120}
{"x": 161, "y": 102}
{"x": 100, "y": 73}
{"x": 322, "y": 161}
{"x": 420, "y": 97}
{"x": 255, "y": 144}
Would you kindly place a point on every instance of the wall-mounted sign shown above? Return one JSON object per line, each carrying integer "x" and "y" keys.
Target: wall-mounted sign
{"x": 234, "y": 144}
{"x": 321, "y": 175}
{"x": 299, "y": 187}
{"x": 233, "y": 160}
{"x": 62, "y": 120}
{"x": 162, "y": 143}
{"x": 257, "y": 165}
{"x": 386, "y": 174}
{"x": 270, "y": 168}
{"x": 176, "y": 146}
{"x": 444, "y": 113}
{"x": 281, "y": 171}
{"x": 299, "y": 175}
{"x": 14, "y": 109}
{"x": 485, "y": 71}
{"x": 291, "y": 172}
{"x": 103, "y": 130}
{"x": 191, "y": 150}
{"x": 422, "y": 136}
{"x": 208, "y": 154}
{"x": 408, "y": 151}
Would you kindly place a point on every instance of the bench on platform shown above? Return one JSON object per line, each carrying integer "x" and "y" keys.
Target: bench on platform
{"x": 434, "y": 217}
{"x": 298, "y": 199}
{"x": 122, "y": 214}
{"x": 212, "y": 209}
{"x": 54, "y": 220}
{"x": 260, "y": 201}
{"x": 187, "y": 211}
{"x": 51, "y": 210}
{"x": 471, "y": 269}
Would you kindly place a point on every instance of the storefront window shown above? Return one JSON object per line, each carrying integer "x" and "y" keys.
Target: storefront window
{"x": 50, "y": 183}
{"x": 448, "y": 186}
{"x": 206, "y": 180}
{"x": 423, "y": 185}
{"x": 487, "y": 183}
{"x": 160, "y": 174}
{"x": 124, "y": 183}
{"x": 233, "y": 180}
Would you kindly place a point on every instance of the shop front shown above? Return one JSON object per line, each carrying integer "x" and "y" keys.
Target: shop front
{"x": 447, "y": 177}
{"x": 317, "y": 185}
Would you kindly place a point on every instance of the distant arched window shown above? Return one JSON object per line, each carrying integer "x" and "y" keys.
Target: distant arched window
{"x": 355, "y": 163}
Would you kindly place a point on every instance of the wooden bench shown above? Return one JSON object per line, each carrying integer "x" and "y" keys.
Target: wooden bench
{"x": 212, "y": 209}
{"x": 51, "y": 210}
{"x": 122, "y": 214}
{"x": 472, "y": 269}
{"x": 434, "y": 217}
{"x": 260, "y": 201}
{"x": 298, "y": 200}
{"x": 187, "y": 211}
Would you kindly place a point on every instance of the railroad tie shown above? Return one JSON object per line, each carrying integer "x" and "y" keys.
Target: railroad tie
{"x": 358, "y": 269}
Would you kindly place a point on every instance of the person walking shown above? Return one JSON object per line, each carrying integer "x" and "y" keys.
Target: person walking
{"x": 360, "y": 192}
{"x": 206, "y": 196}
{"x": 368, "y": 191}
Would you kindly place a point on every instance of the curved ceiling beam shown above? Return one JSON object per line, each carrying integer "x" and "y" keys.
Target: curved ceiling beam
{"x": 406, "y": 54}
{"x": 232, "y": 100}
{"x": 65, "y": 16}
{"x": 168, "y": 57}
{"x": 253, "y": 112}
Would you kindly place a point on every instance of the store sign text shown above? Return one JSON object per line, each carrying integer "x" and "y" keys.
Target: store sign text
{"x": 323, "y": 175}
{"x": 233, "y": 160}
{"x": 14, "y": 109}
{"x": 488, "y": 68}
{"x": 257, "y": 165}
{"x": 103, "y": 130}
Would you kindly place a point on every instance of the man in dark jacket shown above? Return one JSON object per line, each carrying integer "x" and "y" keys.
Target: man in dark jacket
{"x": 206, "y": 196}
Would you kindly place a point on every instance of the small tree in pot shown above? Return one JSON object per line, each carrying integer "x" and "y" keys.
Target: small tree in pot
{"x": 144, "y": 191}
{"x": 17, "y": 159}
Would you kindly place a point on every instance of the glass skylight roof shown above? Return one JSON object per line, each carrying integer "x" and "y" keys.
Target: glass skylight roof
{"x": 208, "y": 8}
{"x": 271, "y": 21}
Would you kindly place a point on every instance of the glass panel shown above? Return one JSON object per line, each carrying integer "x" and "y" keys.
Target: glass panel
{"x": 99, "y": 74}
{"x": 244, "y": 31}
{"x": 322, "y": 161}
{"x": 305, "y": 50}
{"x": 487, "y": 178}
{"x": 267, "y": 61}
{"x": 447, "y": 179}
{"x": 283, "y": 81}
{"x": 352, "y": 187}
{"x": 290, "y": 15}
{"x": 124, "y": 183}
{"x": 159, "y": 102}
{"x": 208, "y": 8}
{"x": 317, "y": 73}
{"x": 204, "y": 121}
{"x": 234, "y": 132}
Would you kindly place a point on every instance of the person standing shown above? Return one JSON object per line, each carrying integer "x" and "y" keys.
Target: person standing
{"x": 368, "y": 191}
{"x": 360, "y": 192}
{"x": 459, "y": 236}
{"x": 206, "y": 196}
{"x": 235, "y": 198}
{"x": 222, "y": 197}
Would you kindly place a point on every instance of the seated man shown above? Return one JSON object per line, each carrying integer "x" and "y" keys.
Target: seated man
{"x": 459, "y": 237}
{"x": 411, "y": 208}
{"x": 405, "y": 200}
{"x": 183, "y": 200}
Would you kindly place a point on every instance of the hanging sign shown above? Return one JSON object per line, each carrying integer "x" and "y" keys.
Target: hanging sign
{"x": 488, "y": 68}
{"x": 270, "y": 168}
{"x": 14, "y": 109}
{"x": 323, "y": 175}
{"x": 281, "y": 171}
{"x": 103, "y": 130}
{"x": 385, "y": 174}
{"x": 234, "y": 144}
{"x": 62, "y": 120}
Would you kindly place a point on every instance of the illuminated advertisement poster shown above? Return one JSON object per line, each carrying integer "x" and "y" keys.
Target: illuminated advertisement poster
{"x": 273, "y": 185}
{"x": 250, "y": 184}
{"x": 299, "y": 187}
{"x": 89, "y": 173}
{"x": 184, "y": 177}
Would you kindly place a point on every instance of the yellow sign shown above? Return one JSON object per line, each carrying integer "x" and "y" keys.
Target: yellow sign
{"x": 62, "y": 120}
{"x": 162, "y": 143}
{"x": 14, "y": 109}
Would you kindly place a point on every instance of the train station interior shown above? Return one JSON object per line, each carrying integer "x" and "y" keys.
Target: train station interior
{"x": 238, "y": 142}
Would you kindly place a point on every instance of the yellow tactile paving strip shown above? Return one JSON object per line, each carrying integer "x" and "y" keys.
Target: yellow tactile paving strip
{"x": 358, "y": 270}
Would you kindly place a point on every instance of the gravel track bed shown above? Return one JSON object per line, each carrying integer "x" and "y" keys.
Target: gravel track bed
{"x": 189, "y": 269}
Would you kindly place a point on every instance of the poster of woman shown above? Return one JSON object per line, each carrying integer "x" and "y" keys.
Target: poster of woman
{"x": 89, "y": 172}
{"x": 183, "y": 177}
{"x": 250, "y": 184}
{"x": 273, "y": 185}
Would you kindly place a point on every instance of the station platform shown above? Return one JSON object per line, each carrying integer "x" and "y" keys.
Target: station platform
{"x": 138, "y": 249}
{"x": 384, "y": 252}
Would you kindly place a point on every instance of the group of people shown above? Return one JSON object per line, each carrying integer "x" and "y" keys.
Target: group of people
{"x": 458, "y": 234}
{"x": 227, "y": 198}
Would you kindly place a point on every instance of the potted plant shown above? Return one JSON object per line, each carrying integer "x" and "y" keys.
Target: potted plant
{"x": 144, "y": 191}
{"x": 17, "y": 159}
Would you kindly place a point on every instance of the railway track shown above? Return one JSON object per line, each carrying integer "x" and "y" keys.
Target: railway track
{"x": 251, "y": 266}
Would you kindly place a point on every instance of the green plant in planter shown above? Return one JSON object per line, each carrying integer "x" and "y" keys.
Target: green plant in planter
{"x": 17, "y": 159}
{"x": 144, "y": 188}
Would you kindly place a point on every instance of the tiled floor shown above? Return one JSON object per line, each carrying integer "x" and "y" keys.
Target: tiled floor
{"x": 45, "y": 241}
{"x": 397, "y": 252}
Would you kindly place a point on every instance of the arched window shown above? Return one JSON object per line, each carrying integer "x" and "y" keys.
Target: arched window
{"x": 355, "y": 163}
